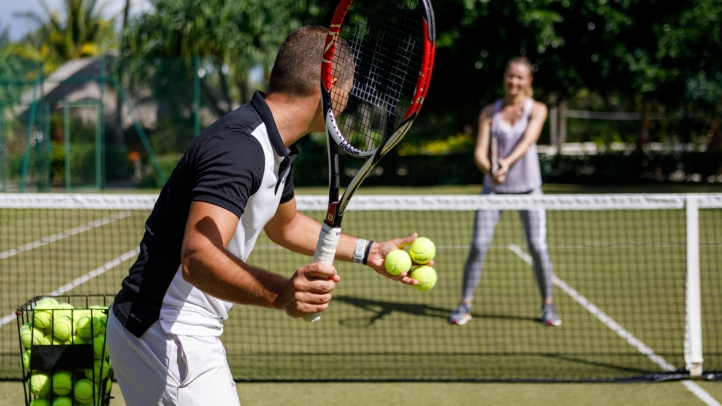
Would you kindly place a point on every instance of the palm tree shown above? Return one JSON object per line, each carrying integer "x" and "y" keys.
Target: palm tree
{"x": 233, "y": 37}
{"x": 83, "y": 32}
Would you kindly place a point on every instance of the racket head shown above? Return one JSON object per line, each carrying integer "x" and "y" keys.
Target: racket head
{"x": 375, "y": 72}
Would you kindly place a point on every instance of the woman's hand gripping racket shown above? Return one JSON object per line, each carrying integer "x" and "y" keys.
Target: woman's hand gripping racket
{"x": 374, "y": 77}
{"x": 494, "y": 153}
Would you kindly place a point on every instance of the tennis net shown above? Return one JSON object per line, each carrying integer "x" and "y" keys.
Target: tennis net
{"x": 637, "y": 283}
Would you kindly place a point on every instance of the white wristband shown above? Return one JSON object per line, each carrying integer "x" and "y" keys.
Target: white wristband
{"x": 358, "y": 254}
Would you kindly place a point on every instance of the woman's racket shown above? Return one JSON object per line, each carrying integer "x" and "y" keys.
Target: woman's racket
{"x": 374, "y": 77}
{"x": 494, "y": 153}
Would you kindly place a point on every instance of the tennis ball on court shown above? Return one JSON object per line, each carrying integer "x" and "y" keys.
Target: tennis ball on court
{"x": 100, "y": 350}
{"x": 62, "y": 328}
{"x": 100, "y": 370}
{"x": 84, "y": 390}
{"x": 40, "y": 384}
{"x": 30, "y": 336}
{"x": 397, "y": 261}
{"x": 62, "y": 383}
{"x": 422, "y": 250}
{"x": 42, "y": 315}
{"x": 86, "y": 326}
{"x": 62, "y": 401}
{"x": 39, "y": 402}
{"x": 426, "y": 276}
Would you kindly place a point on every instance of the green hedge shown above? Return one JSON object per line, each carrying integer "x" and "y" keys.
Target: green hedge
{"x": 459, "y": 169}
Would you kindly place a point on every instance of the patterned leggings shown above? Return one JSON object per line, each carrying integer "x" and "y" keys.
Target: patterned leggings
{"x": 535, "y": 230}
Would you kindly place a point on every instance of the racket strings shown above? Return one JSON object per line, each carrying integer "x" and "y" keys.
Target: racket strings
{"x": 385, "y": 43}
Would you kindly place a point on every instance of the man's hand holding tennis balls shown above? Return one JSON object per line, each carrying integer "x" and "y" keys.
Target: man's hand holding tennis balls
{"x": 379, "y": 252}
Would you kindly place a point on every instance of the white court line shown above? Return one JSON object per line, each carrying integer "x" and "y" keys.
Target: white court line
{"x": 701, "y": 393}
{"x": 64, "y": 234}
{"x": 79, "y": 281}
{"x": 617, "y": 328}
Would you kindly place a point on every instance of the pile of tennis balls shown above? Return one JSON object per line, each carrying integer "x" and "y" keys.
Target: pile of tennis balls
{"x": 421, "y": 252}
{"x": 55, "y": 323}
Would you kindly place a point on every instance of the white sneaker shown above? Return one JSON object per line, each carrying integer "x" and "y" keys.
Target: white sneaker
{"x": 549, "y": 316}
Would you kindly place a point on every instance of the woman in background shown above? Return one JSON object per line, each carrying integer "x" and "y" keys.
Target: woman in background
{"x": 516, "y": 120}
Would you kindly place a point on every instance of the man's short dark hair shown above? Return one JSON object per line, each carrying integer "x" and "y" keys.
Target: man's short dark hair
{"x": 297, "y": 70}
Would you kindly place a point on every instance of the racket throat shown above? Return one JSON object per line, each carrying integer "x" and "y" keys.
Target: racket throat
{"x": 333, "y": 217}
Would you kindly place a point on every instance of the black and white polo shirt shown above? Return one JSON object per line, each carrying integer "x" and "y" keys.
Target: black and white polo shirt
{"x": 238, "y": 163}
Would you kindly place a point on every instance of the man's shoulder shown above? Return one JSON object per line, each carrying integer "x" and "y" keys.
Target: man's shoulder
{"x": 244, "y": 119}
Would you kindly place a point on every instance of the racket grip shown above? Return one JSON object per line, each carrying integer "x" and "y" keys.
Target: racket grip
{"x": 325, "y": 252}
{"x": 494, "y": 155}
{"x": 327, "y": 243}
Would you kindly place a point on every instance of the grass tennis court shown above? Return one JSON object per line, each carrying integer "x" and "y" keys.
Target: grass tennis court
{"x": 445, "y": 394}
{"x": 381, "y": 332}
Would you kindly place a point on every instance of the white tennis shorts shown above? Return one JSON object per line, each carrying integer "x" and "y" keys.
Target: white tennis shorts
{"x": 167, "y": 369}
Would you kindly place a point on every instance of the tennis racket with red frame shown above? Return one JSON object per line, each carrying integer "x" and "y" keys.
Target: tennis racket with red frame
{"x": 375, "y": 73}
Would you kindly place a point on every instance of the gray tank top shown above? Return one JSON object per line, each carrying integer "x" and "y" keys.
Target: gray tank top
{"x": 525, "y": 174}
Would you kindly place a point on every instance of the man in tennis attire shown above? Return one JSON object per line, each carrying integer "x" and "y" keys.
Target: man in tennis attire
{"x": 233, "y": 181}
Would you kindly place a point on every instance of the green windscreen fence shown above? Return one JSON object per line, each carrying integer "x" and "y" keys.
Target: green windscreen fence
{"x": 637, "y": 284}
{"x": 107, "y": 122}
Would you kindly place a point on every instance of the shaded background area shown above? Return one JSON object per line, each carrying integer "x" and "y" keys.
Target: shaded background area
{"x": 633, "y": 90}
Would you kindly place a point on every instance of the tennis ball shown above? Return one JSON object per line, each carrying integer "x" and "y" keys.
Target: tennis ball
{"x": 62, "y": 328}
{"x": 99, "y": 349}
{"x": 76, "y": 339}
{"x": 102, "y": 323}
{"x": 47, "y": 300}
{"x": 50, "y": 340}
{"x": 100, "y": 314}
{"x": 39, "y": 402}
{"x": 42, "y": 315}
{"x": 26, "y": 360}
{"x": 108, "y": 386}
{"x": 62, "y": 401}
{"x": 30, "y": 336}
{"x": 100, "y": 370}
{"x": 63, "y": 309}
{"x": 426, "y": 276}
{"x": 84, "y": 390}
{"x": 86, "y": 326}
{"x": 422, "y": 250}
{"x": 397, "y": 261}
{"x": 40, "y": 384}
{"x": 62, "y": 383}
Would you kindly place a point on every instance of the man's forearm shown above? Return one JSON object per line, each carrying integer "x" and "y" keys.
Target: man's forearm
{"x": 219, "y": 273}
{"x": 301, "y": 236}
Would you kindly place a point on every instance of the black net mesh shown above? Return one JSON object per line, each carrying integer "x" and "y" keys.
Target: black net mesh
{"x": 619, "y": 280}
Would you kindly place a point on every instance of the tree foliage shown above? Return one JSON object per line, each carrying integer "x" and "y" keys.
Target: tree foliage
{"x": 235, "y": 36}
{"x": 79, "y": 31}
{"x": 629, "y": 55}
{"x": 659, "y": 52}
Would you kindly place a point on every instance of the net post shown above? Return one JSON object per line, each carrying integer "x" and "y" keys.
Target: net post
{"x": 693, "y": 317}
